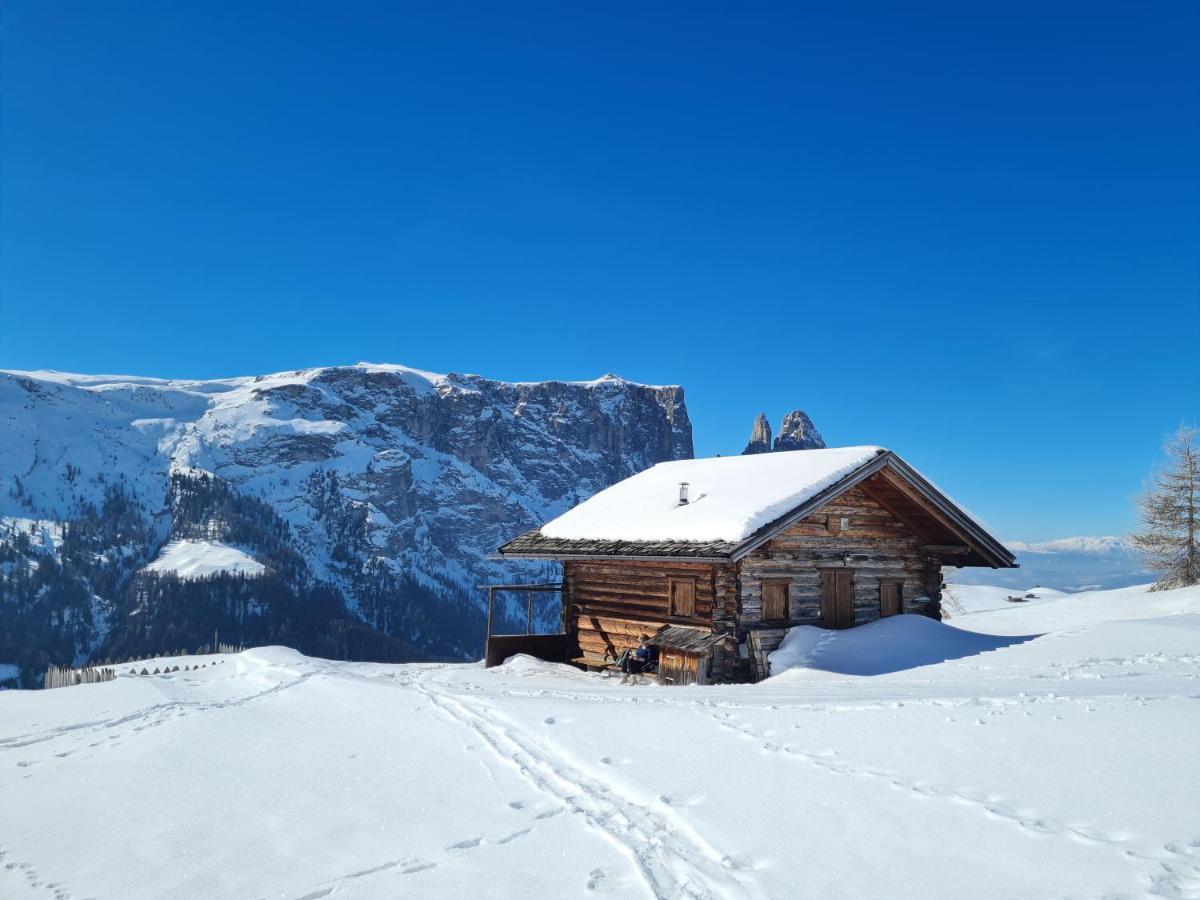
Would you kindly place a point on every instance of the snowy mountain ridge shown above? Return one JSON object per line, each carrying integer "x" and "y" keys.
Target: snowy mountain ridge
{"x": 1096, "y": 545}
{"x": 1068, "y": 564}
{"x": 388, "y": 485}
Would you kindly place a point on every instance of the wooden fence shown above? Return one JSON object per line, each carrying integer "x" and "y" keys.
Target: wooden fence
{"x": 68, "y": 676}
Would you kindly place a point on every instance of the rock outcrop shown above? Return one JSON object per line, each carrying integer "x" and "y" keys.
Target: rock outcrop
{"x": 798, "y": 433}
{"x": 760, "y": 436}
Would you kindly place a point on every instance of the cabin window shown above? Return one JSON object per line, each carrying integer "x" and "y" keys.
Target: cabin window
{"x": 775, "y": 600}
{"x": 683, "y": 597}
{"x": 837, "y": 524}
{"x": 891, "y": 597}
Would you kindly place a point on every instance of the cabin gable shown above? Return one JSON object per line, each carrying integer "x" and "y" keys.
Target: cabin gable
{"x": 852, "y": 532}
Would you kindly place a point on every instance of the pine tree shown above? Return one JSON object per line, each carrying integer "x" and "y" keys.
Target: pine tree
{"x": 1170, "y": 509}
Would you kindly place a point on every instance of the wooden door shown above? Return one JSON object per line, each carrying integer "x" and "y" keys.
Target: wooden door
{"x": 837, "y": 598}
{"x": 683, "y": 597}
{"x": 775, "y": 599}
{"x": 889, "y": 598}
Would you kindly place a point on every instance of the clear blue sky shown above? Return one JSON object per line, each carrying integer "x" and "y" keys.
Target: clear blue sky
{"x": 967, "y": 231}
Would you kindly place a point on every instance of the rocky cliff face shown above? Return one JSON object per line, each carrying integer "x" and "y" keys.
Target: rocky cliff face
{"x": 797, "y": 433}
{"x": 375, "y": 492}
{"x": 760, "y": 436}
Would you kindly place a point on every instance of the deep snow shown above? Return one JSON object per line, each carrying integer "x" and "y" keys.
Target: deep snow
{"x": 889, "y": 645}
{"x": 1059, "y": 765}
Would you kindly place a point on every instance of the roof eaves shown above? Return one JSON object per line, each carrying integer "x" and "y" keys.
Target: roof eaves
{"x": 1002, "y": 557}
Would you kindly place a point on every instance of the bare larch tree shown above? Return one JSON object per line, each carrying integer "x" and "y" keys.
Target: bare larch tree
{"x": 1169, "y": 511}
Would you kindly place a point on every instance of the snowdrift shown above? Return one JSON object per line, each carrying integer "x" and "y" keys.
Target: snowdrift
{"x": 889, "y": 645}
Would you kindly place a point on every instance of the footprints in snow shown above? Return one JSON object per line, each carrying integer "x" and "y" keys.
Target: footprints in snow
{"x": 32, "y": 878}
{"x": 604, "y": 881}
{"x": 670, "y": 860}
{"x": 679, "y": 802}
{"x": 412, "y": 865}
{"x": 990, "y": 805}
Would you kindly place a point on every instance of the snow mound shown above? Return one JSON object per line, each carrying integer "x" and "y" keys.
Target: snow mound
{"x": 889, "y": 645}
{"x": 524, "y": 666}
{"x": 731, "y": 497}
{"x": 199, "y": 559}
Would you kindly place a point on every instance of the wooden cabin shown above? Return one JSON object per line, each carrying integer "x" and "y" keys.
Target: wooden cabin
{"x": 717, "y": 558}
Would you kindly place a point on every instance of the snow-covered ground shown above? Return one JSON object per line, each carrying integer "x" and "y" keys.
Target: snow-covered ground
{"x": 1056, "y": 758}
{"x": 198, "y": 559}
{"x": 961, "y": 599}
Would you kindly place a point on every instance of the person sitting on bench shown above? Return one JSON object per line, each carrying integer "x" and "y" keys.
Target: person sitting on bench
{"x": 643, "y": 660}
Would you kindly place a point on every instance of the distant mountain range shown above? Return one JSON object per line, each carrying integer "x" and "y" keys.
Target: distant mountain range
{"x": 349, "y": 512}
{"x": 1067, "y": 564}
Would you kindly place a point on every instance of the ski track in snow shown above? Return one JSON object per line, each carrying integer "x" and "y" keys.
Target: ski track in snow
{"x": 672, "y": 862}
{"x": 147, "y": 717}
{"x": 83, "y": 733}
{"x": 1175, "y": 866}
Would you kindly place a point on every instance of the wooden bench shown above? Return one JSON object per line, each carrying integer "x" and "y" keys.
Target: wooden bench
{"x": 596, "y": 663}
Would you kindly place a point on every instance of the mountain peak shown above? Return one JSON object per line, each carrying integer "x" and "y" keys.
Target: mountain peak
{"x": 760, "y": 436}
{"x": 798, "y": 433}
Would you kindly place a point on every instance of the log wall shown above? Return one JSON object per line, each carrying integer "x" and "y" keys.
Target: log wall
{"x": 612, "y": 602}
{"x": 875, "y": 545}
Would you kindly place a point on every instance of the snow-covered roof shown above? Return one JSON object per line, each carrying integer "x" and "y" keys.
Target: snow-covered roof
{"x": 730, "y": 497}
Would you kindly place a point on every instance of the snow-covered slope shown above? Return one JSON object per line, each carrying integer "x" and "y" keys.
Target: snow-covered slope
{"x": 1062, "y": 765}
{"x": 1069, "y": 564}
{"x": 959, "y": 599}
{"x": 389, "y": 485}
{"x": 198, "y": 559}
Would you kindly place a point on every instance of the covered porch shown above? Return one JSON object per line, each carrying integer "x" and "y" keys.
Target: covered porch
{"x": 551, "y": 647}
